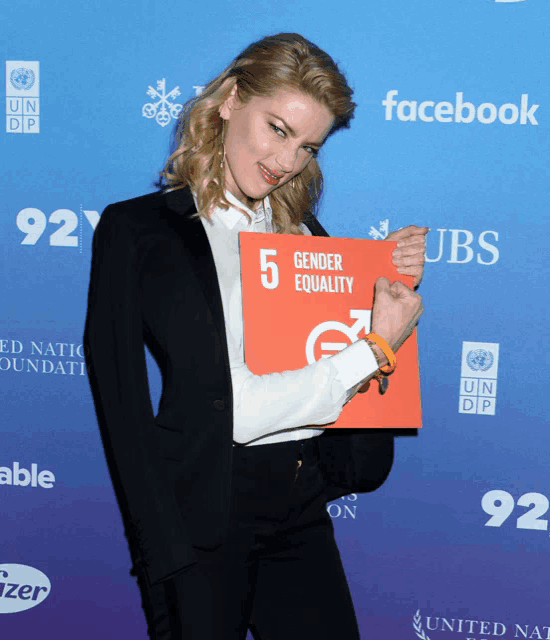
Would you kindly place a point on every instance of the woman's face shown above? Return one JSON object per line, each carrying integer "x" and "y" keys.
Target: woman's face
{"x": 270, "y": 140}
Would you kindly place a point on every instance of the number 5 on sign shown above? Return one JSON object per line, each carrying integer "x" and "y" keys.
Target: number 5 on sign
{"x": 266, "y": 264}
{"x": 500, "y": 504}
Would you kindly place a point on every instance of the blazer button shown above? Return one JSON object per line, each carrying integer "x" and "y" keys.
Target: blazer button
{"x": 219, "y": 405}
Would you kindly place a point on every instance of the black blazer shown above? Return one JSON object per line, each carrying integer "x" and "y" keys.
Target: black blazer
{"x": 153, "y": 281}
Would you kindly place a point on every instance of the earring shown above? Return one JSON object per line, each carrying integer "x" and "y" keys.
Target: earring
{"x": 293, "y": 184}
{"x": 222, "y": 150}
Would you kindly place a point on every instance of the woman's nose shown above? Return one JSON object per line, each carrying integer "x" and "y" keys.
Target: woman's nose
{"x": 286, "y": 159}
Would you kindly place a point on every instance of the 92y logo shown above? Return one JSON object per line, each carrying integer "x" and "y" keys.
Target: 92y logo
{"x": 500, "y": 504}
{"x": 32, "y": 222}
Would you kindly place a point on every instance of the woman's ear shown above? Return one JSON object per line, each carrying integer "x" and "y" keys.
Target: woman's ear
{"x": 228, "y": 104}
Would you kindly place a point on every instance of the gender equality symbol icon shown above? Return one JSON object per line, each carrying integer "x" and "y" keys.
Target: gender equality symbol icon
{"x": 362, "y": 319}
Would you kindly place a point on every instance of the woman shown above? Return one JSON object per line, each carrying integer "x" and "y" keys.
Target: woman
{"x": 223, "y": 493}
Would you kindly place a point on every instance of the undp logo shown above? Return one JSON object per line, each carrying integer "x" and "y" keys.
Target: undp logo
{"x": 22, "y": 79}
{"x": 478, "y": 380}
{"x": 22, "y": 96}
{"x": 22, "y": 587}
{"x": 480, "y": 360}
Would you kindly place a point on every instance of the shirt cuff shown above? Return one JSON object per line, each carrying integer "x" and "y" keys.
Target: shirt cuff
{"x": 354, "y": 364}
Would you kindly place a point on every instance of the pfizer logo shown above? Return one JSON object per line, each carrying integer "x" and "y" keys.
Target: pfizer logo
{"x": 480, "y": 360}
{"x": 22, "y": 587}
{"x": 22, "y": 79}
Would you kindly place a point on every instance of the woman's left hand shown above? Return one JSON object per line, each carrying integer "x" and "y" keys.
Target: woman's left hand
{"x": 411, "y": 247}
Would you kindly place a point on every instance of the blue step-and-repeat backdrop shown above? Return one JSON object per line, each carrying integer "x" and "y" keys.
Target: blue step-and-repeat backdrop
{"x": 451, "y": 132}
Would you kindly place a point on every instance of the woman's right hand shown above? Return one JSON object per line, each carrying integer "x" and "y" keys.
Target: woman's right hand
{"x": 395, "y": 312}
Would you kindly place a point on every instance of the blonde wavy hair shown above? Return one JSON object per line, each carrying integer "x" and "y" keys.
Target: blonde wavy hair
{"x": 285, "y": 60}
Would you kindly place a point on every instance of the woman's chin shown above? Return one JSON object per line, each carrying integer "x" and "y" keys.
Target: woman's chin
{"x": 255, "y": 193}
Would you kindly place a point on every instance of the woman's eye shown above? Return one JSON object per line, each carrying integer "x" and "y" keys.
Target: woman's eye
{"x": 313, "y": 152}
{"x": 277, "y": 130}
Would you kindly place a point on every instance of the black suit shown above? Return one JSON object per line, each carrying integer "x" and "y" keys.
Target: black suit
{"x": 153, "y": 280}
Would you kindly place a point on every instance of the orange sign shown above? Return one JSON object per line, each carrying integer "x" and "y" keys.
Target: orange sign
{"x": 308, "y": 297}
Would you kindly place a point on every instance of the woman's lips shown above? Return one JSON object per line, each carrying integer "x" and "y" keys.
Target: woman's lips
{"x": 267, "y": 175}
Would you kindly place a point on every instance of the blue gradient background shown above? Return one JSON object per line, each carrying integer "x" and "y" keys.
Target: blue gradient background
{"x": 419, "y": 543}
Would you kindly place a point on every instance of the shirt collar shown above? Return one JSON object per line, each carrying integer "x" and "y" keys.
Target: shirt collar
{"x": 232, "y": 216}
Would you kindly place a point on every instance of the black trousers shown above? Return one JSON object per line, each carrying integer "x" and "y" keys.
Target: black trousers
{"x": 278, "y": 572}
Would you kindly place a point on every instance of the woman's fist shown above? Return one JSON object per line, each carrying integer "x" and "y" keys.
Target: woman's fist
{"x": 409, "y": 256}
{"x": 395, "y": 311}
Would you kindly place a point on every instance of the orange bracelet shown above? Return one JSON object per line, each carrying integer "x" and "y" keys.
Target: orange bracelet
{"x": 390, "y": 355}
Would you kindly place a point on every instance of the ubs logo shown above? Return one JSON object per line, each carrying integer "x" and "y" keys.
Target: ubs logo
{"x": 461, "y": 246}
{"x": 456, "y": 246}
{"x": 22, "y": 587}
{"x": 163, "y": 108}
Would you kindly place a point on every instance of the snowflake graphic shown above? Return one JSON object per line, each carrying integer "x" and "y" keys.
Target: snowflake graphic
{"x": 382, "y": 232}
{"x": 163, "y": 110}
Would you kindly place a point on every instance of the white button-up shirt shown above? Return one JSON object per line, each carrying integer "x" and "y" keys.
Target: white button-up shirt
{"x": 276, "y": 407}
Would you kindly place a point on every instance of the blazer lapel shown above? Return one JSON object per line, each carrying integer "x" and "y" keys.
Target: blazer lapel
{"x": 196, "y": 243}
{"x": 313, "y": 225}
